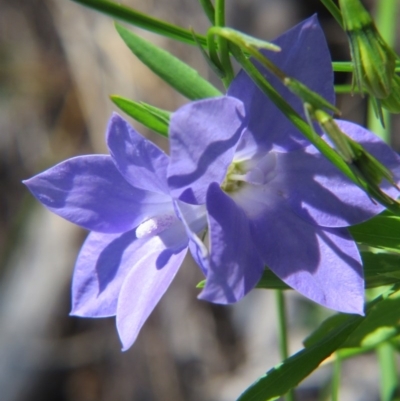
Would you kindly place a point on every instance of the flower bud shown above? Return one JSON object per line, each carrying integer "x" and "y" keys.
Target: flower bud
{"x": 374, "y": 61}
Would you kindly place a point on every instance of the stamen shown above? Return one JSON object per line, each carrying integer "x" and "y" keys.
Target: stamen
{"x": 237, "y": 177}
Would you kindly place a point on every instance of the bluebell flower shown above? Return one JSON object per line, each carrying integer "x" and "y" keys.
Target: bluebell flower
{"x": 272, "y": 199}
{"x": 137, "y": 243}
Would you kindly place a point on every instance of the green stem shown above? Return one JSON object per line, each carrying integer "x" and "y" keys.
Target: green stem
{"x": 337, "y": 367}
{"x": 334, "y": 10}
{"x": 223, "y": 44}
{"x": 143, "y": 21}
{"x": 347, "y": 66}
{"x": 283, "y": 339}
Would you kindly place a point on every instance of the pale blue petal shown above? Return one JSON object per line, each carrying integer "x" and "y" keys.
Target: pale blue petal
{"x": 140, "y": 162}
{"x": 100, "y": 270}
{"x": 194, "y": 219}
{"x": 90, "y": 191}
{"x": 143, "y": 287}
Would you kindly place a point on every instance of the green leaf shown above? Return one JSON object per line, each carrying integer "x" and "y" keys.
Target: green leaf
{"x": 141, "y": 20}
{"x": 151, "y": 117}
{"x": 381, "y": 324}
{"x": 175, "y": 72}
{"x": 293, "y": 370}
{"x": 383, "y": 232}
{"x": 380, "y": 269}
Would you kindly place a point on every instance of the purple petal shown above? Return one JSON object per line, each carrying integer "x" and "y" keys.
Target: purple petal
{"x": 106, "y": 261}
{"x": 140, "y": 162}
{"x": 203, "y": 137}
{"x": 320, "y": 193}
{"x": 101, "y": 268}
{"x": 194, "y": 219}
{"x": 322, "y": 264}
{"x": 235, "y": 267}
{"x": 90, "y": 191}
{"x": 143, "y": 287}
{"x": 305, "y": 57}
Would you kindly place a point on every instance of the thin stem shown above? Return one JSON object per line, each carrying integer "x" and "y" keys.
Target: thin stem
{"x": 223, "y": 44}
{"x": 144, "y": 21}
{"x": 283, "y": 339}
{"x": 346, "y": 89}
{"x": 337, "y": 368}
{"x": 334, "y": 10}
{"x": 347, "y": 66}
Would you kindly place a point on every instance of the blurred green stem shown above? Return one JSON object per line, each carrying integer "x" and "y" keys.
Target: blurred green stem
{"x": 386, "y": 20}
{"x": 337, "y": 368}
{"x": 283, "y": 339}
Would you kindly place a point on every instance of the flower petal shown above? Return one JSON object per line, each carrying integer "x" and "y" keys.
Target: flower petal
{"x": 322, "y": 264}
{"x": 194, "y": 219}
{"x": 320, "y": 193}
{"x": 203, "y": 137}
{"x": 101, "y": 268}
{"x": 143, "y": 287}
{"x": 140, "y": 162}
{"x": 90, "y": 191}
{"x": 235, "y": 267}
{"x": 305, "y": 57}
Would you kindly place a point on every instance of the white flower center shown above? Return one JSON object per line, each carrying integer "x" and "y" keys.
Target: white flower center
{"x": 255, "y": 171}
{"x": 155, "y": 225}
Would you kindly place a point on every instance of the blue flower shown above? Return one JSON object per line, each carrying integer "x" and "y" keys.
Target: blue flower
{"x": 136, "y": 244}
{"x": 272, "y": 199}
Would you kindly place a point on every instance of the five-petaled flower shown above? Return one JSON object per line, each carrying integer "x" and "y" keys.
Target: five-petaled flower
{"x": 272, "y": 199}
{"x": 137, "y": 243}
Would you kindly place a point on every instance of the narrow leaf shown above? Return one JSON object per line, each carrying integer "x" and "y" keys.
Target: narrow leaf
{"x": 175, "y": 72}
{"x": 141, "y": 20}
{"x": 143, "y": 114}
{"x": 292, "y": 371}
{"x": 279, "y": 380}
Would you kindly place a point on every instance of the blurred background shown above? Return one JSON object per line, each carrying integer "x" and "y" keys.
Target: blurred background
{"x": 59, "y": 62}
